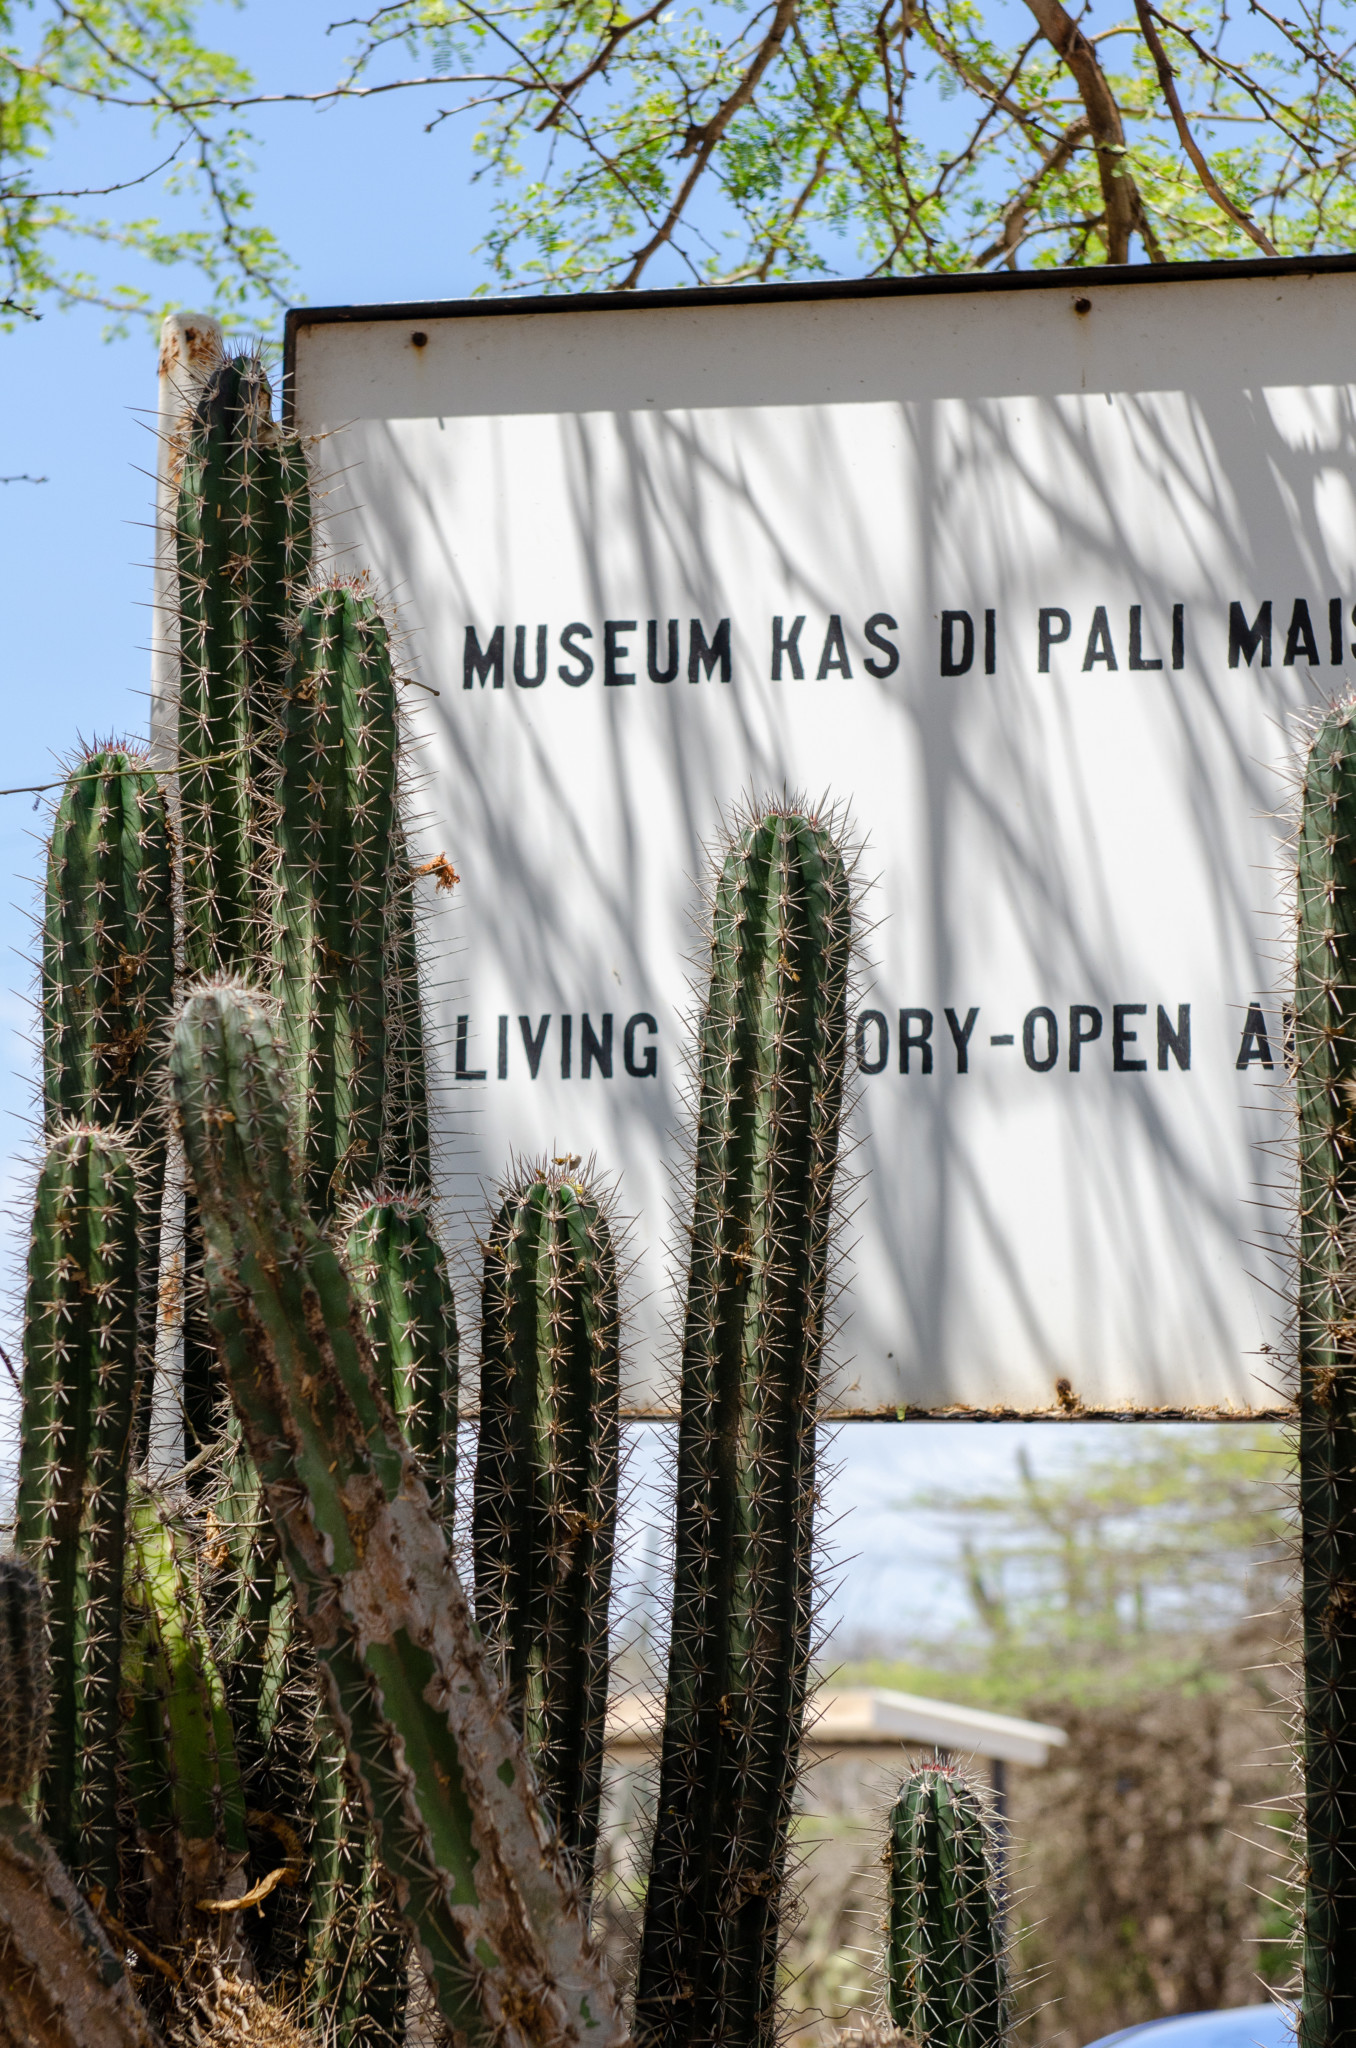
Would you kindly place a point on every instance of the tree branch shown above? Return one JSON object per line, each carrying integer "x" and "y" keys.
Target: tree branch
{"x": 1125, "y": 213}
{"x": 1188, "y": 141}
{"x": 1018, "y": 209}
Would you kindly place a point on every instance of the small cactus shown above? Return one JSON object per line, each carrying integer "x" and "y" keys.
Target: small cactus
{"x": 1325, "y": 1056}
{"x": 443, "y": 1776}
{"x": 24, "y": 1680}
{"x": 545, "y": 1515}
{"x": 81, "y": 1360}
{"x": 399, "y": 1279}
{"x": 945, "y": 1984}
{"x": 770, "y": 1076}
{"x": 356, "y": 1978}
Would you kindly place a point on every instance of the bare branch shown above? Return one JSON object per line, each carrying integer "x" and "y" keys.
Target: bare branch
{"x": 1167, "y": 81}
{"x": 615, "y": 35}
{"x": 1017, "y": 212}
{"x": 1120, "y": 194}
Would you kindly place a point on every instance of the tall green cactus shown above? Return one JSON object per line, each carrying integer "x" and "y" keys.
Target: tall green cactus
{"x": 545, "y": 1515}
{"x": 399, "y": 1279}
{"x": 339, "y": 836}
{"x": 107, "y": 946}
{"x": 79, "y": 1397}
{"x": 359, "y": 1948}
{"x": 1325, "y": 1054}
{"x": 770, "y": 1074}
{"x": 243, "y": 547}
{"x": 944, "y": 1969}
{"x": 442, "y": 1773}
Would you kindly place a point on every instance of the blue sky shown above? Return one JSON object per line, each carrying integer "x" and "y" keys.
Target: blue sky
{"x": 370, "y": 208}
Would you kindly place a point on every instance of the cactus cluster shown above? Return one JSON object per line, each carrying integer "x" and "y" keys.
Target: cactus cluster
{"x": 1325, "y": 1078}
{"x": 445, "y": 1796}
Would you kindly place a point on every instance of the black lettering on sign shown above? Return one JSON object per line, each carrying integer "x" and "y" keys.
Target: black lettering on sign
{"x": 1138, "y": 659}
{"x": 1121, "y": 1036}
{"x": 1255, "y": 1045}
{"x": 465, "y": 1073}
{"x": 532, "y": 1044}
{"x": 482, "y": 663}
{"x": 614, "y": 652}
{"x": 520, "y": 674}
{"x": 787, "y": 644}
{"x": 652, "y": 668}
{"x": 1299, "y": 638}
{"x": 1099, "y": 647}
{"x": 957, "y": 661}
{"x": 1335, "y": 651}
{"x": 1179, "y": 636}
{"x": 503, "y": 1048}
{"x": 877, "y": 626}
{"x": 649, "y": 1065}
{"x": 1246, "y": 639}
{"x": 569, "y": 644}
{"x": 960, "y": 1035}
{"x": 990, "y": 643}
{"x": 835, "y": 653}
{"x": 704, "y": 654}
{"x": 1051, "y": 1053}
{"x": 1053, "y": 630}
{"x": 864, "y": 1023}
{"x": 917, "y": 1040}
{"x": 566, "y": 1037}
{"x": 1085, "y": 1026}
{"x": 1177, "y": 1042}
{"x": 592, "y": 1048}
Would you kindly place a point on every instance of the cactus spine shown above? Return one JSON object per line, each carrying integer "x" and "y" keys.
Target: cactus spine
{"x": 107, "y": 947}
{"x": 770, "y": 1076}
{"x": 61, "y": 1985}
{"x": 1325, "y": 1051}
{"x": 79, "y": 1396}
{"x": 442, "y": 1773}
{"x": 945, "y": 1985}
{"x": 399, "y": 1280}
{"x": 545, "y": 1515}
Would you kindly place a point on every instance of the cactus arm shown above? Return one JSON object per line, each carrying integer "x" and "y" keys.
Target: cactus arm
{"x": 405, "y": 1152}
{"x": 770, "y": 1069}
{"x": 945, "y": 1976}
{"x": 1325, "y": 1072}
{"x": 80, "y": 1387}
{"x": 442, "y": 1772}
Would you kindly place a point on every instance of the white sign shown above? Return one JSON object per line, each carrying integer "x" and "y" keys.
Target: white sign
{"x": 1035, "y": 580}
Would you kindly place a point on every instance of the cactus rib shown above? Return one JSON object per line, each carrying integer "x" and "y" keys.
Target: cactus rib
{"x": 545, "y": 1515}
{"x": 770, "y": 1075}
{"x": 25, "y": 1678}
{"x": 443, "y": 1775}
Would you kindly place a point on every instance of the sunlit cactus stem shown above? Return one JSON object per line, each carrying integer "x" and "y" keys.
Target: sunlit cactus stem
{"x": 107, "y": 947}
{"x": 544, "y": 1523}
{"x": 442, "y": 1773}
{"x": 81, "y": 1360}
{"x": 770, "y": 1076}
{"x": 1325, "y": 1055}
{"x": 399, "y": 1278}
{"x": 945, "y": 1984}
{"x": 339, "y": 865}
{"x": 243, "y": 546}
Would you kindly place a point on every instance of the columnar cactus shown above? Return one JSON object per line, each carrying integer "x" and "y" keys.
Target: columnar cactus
{"x": 107, "y": 946}
{"x": 399, "y": 1279}
{"x": 770, "y": 1075}
{"x": 186, "y": 1803}
{"x": 1325, "y": 1056}
{"x": 944, "y": 1970}
{"x": 339, "y": 834}
{"x": 443, "y": 1775}
{"x": 24, "y": 1680}
{"x": 79, "y": 1397}
{"x": 243, "y": 545}
{"x": 358, "y": 1946}
{"x": 545, "y": 1515}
